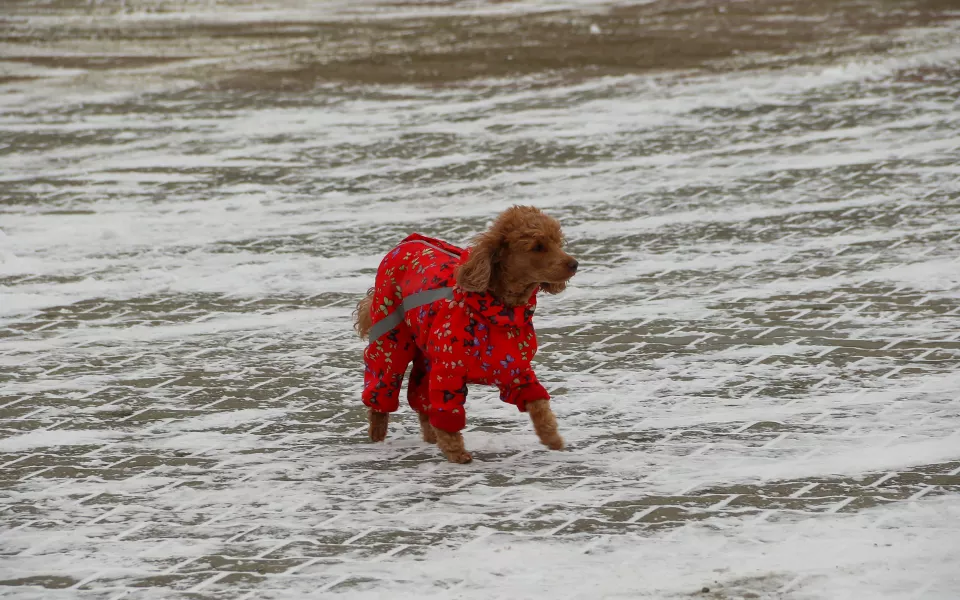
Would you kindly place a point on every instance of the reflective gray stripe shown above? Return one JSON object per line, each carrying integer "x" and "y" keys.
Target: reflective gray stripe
{"x": 431, "y": 246}
{"x": 386, "y": 324}
{"x": 411, "y": 302}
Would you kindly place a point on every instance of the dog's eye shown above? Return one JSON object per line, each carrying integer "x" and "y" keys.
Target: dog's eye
{"x": 539, "y": 247}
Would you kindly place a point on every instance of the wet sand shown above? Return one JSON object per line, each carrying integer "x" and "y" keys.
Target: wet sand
{"x": 294, "y": 46}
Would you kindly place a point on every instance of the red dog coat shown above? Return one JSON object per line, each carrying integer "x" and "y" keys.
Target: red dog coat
{"x": 451, "y": 336}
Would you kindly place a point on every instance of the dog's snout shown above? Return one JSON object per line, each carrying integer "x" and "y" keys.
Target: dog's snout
{"x": 572, "y": 265}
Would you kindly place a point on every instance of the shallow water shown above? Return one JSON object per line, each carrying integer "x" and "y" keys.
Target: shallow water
{"x": 755, "y": 370}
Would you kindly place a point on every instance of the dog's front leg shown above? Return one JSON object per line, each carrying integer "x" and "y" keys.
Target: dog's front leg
{"x": 545, "y": 424}
{"x": 451, "y": 444}
{"x": 426, "y": 429}
{"x": 448, "y": 399}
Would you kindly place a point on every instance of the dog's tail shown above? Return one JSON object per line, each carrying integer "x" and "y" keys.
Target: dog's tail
{"x": 363, "y": 315}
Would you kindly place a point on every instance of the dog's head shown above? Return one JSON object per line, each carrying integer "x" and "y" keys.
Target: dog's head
{"x": 521, "y": 250}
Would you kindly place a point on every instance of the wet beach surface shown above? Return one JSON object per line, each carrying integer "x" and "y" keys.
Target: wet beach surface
{"x": 755, "y": 370}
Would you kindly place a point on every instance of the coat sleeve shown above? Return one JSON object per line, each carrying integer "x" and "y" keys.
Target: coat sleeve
{"x": 523, "y": 389}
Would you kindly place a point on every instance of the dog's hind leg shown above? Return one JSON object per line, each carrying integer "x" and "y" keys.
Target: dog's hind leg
{"x": 385, "y": 361}
{"x": 418, "y": 395}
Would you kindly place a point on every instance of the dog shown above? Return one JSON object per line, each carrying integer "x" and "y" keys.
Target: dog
{"x": 462, "y": 316}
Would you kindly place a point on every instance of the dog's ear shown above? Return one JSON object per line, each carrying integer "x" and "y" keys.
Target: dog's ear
{"x": 553, "y": 288}
{"x": 475, "y": 274}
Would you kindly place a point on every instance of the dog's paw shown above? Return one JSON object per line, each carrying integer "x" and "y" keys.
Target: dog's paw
{"x": 461, "y": 457}
{"x": 554, "y": 442}
{"x": 378, "y": 426}
{"x": 451, "y": 444}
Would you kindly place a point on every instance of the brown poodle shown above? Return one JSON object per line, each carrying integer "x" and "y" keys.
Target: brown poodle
{"x": 462, "y": 316}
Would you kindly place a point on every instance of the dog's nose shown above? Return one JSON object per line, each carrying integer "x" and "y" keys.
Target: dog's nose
{"x": 572, "y": 265}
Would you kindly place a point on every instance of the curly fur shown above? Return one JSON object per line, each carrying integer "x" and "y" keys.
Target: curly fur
{"x": 523, "y": 249}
